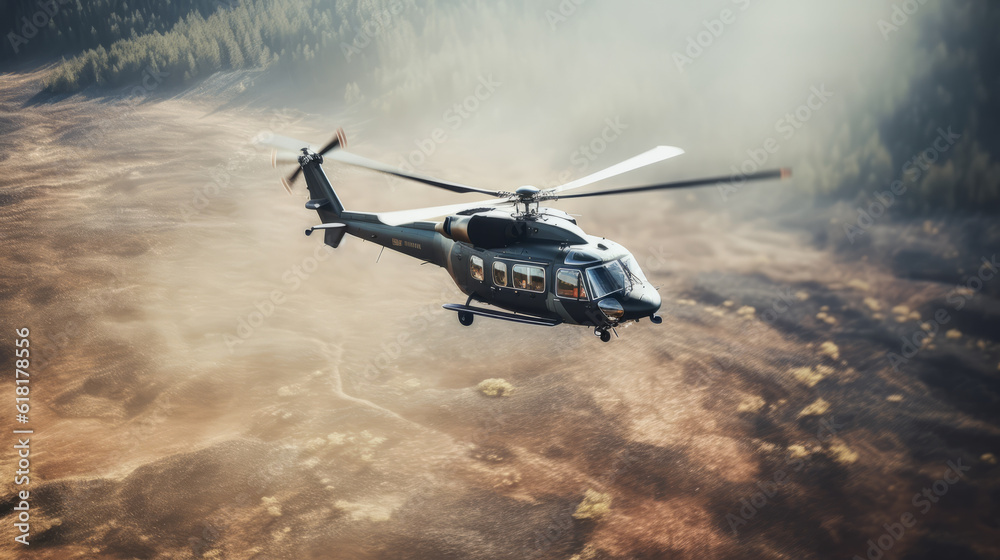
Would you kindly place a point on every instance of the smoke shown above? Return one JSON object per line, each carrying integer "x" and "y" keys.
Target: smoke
{"x": 732, "y": 82}
{"x": 672, "y": 73}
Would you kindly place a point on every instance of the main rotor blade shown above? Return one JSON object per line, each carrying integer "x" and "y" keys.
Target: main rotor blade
{"x": 782, "y": 173}
{"x": 358, "y": 161}
{"x": 417, "y": 214}
{"x": 657, "y": 154}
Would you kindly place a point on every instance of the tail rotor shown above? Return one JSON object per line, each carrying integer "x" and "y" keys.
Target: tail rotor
{"x": 284, "y": 151}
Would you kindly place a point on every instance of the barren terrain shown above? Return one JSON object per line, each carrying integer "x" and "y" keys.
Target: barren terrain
{"x": 208, "y": 382}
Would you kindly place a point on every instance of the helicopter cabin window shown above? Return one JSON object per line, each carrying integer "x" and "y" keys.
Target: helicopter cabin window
{"x": 531, "y": 278}
{"x": 500, "y": 273}
{"x": 569, "y": 284}
{"x": 476, "y": 266}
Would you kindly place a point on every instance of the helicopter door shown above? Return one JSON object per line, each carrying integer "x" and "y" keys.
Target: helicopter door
{"x": 519, "y": 286}
{"x": 569, "y": 284}
{"x": 571, "y": 300}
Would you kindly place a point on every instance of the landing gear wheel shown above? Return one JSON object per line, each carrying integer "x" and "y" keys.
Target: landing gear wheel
{"x": 465, "y": 318}
{"x": 605, "y": 336}
{"x": 656, "y": 319}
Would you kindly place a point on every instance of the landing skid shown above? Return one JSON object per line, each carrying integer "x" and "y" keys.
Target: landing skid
{"x": 466, "y": 312}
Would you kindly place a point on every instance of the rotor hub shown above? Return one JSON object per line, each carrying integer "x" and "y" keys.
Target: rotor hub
{"x": 527, "y": 193}
{"x": 308, "y": 157}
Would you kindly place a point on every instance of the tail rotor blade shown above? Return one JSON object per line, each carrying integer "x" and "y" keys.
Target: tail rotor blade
{"x": 339, "y": 141}
{"x": 287, "y": 183}
{"x": 279, "y": 158}
{"x": 286, "y": 150}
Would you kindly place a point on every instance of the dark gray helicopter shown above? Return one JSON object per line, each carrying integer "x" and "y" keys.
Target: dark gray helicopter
{"x": 507, "y": 251}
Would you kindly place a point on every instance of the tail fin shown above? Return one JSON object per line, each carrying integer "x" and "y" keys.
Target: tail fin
{"x": 324, "y": 200}
{"x": 321, "y": 193}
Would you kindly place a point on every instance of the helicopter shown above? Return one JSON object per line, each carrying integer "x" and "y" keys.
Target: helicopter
{"x": 533, "y": 264}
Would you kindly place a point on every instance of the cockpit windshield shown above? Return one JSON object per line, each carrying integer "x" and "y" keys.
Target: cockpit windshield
{"x": 633, "y": 271}
{"x": 623, "y": 274}
{"x": 606, "y": 279}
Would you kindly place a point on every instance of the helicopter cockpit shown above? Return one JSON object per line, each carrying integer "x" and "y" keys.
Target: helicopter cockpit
{"x": 618, "y": 285}
{"x": 617, "y": 275}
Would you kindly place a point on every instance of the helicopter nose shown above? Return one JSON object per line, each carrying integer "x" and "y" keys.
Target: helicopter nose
{"x": 641, "y": 303}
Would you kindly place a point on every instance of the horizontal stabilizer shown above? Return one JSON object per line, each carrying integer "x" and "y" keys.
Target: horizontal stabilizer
{"x": 332, "y": 225}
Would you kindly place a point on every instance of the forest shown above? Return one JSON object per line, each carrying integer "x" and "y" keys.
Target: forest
{"x": 111, "y": 43}
{"x": 65, "y": 27}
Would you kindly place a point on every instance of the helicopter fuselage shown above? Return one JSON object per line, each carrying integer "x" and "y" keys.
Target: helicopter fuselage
{"x": 542, "y": 265}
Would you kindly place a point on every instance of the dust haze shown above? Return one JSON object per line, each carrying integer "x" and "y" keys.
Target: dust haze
{"x": 211, "y": 383}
